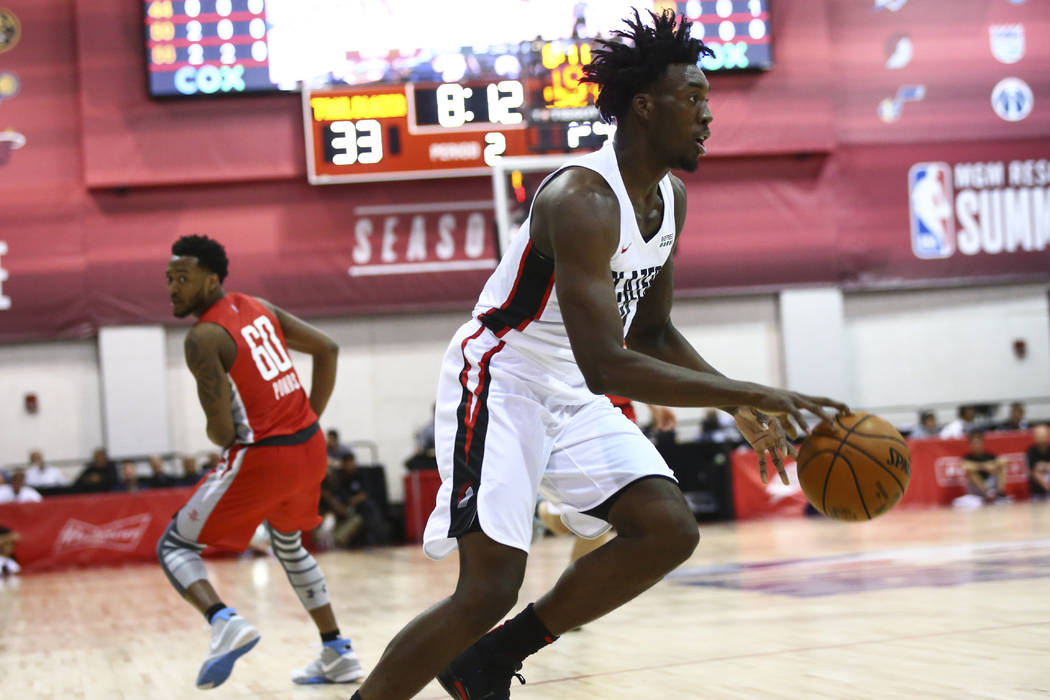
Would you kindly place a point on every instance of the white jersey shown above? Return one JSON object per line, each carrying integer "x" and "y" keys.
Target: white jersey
{"x": 518, "y": 303}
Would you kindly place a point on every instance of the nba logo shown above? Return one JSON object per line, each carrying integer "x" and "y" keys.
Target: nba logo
{"x": 930, "y": 200}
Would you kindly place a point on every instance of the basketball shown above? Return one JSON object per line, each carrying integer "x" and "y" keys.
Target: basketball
{"x": 855, "y": 468}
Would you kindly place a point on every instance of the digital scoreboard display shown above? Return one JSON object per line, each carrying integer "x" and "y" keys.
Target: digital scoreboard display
{"x": 207, "y": 47}
{"x": 438, "y": 105}
{"x": 412, "y": 131}
{"x": 221, "y": 47}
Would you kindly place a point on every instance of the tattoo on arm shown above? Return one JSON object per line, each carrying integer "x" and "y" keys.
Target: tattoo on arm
{"x": 209, "y": 382}
{"x": 213, "y": 388}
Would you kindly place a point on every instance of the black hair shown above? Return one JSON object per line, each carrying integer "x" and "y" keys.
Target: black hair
{"x": 209, "y": 253}
{"x": 627, "y": 65}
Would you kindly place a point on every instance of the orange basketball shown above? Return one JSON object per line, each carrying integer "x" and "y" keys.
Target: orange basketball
{"x": 855, "y": 468}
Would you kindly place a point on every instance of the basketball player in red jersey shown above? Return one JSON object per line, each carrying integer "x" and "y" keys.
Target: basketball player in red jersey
{"x": 273, "y": 461}
{"x": 579, "y": 306}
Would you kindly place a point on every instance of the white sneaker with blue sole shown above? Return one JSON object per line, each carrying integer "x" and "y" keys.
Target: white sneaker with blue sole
{"x": 231, "y": 638}
{"x": 338, "y": 663}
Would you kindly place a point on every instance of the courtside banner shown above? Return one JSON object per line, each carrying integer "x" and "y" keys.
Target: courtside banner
{"x": 753, "y": 499}
{"x": 63, "y": 532}
{"x": 937, "y": 476}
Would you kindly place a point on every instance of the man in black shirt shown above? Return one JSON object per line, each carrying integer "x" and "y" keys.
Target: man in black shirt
{"x": 1015, "y": 420}
{"x": 1039, "y": 463}
{"x": 100, "y": 474}
{"x": 358, "y": 519}
{"x": 985, "y": 472}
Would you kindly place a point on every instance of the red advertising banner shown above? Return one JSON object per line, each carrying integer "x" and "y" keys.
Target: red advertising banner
{"x": 937, "y": 477}
{"x": 753, "y": 499}
{"x": 64, "y": 532}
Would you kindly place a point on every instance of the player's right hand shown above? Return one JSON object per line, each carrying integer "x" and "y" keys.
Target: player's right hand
{"x": 790, "y": 404}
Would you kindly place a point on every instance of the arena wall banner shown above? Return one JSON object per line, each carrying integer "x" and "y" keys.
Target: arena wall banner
{"x": 907, "y": 71}
{"x": 865, "y": 217}
{"x": 943, "y": 212}
{"x": 814, "y": 177}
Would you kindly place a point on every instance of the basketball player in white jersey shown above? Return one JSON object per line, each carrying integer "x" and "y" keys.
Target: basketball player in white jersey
{"x": 578, "y": 307}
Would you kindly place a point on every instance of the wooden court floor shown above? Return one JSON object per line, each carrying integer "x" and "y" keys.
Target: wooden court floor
{"x": 919, "y": 604}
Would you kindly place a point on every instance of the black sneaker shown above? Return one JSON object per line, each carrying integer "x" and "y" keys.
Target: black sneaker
{"x": 477, "y": 675}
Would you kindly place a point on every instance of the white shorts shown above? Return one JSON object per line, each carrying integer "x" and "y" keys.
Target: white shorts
{"x": 501, "y": 440}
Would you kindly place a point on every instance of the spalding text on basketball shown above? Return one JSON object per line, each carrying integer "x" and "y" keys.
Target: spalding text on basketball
{"x": 900, "y": 461}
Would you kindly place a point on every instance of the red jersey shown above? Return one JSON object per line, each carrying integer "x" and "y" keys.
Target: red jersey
{"x": 625, "y": 405}
{"x": 268, "y": 398}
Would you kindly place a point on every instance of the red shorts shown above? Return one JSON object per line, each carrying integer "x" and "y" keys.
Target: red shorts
{"x": 279, "y": 484}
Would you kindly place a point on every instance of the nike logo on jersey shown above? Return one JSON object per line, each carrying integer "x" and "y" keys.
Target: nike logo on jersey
{"x": 624, "y": 249}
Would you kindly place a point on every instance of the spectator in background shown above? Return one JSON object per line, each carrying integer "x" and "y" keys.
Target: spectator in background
{"x": 158, "y": 478}
{"x": 425, "y": 436}
{"x": 17, "y": 491}
{"x": 8, "y": 539}
{"x": 358, "y": 518}
{"x": 985, "y": 472}
{"x": 1038, "y": 456}
{"x": 718, "y": 426}
{"x": 927, "y": 427}
{"x": 129, "y": 475}
{"x": 191, "y": 473}
{"x": 962, "y": 426}
{"x": 100, "y": 474}
{"x": 423, "y": 457}
{"x": 662, "y": 429}
{"x": 211, "y": 462}
{"x": 41, "y": 475}
{"x": 1015, "y": 419}
{"x": 335, "y": 448}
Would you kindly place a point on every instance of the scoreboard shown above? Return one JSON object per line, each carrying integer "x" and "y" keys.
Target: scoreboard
{"x": 412, "y": 131}
{"x": 430, "y": 130}
{"x": 438, "y": 105}
{"x": 206, "y": 47}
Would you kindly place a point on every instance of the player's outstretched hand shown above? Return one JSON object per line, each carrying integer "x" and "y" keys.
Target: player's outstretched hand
{"x": 776, "y": 420}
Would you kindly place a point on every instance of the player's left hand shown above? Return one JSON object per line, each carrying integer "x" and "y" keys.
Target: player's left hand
{"x": 766, "y": 436}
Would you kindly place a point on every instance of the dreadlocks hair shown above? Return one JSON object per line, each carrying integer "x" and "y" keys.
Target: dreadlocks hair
{"x": 209, "y": 253}
{"x": 637, "y": 58}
